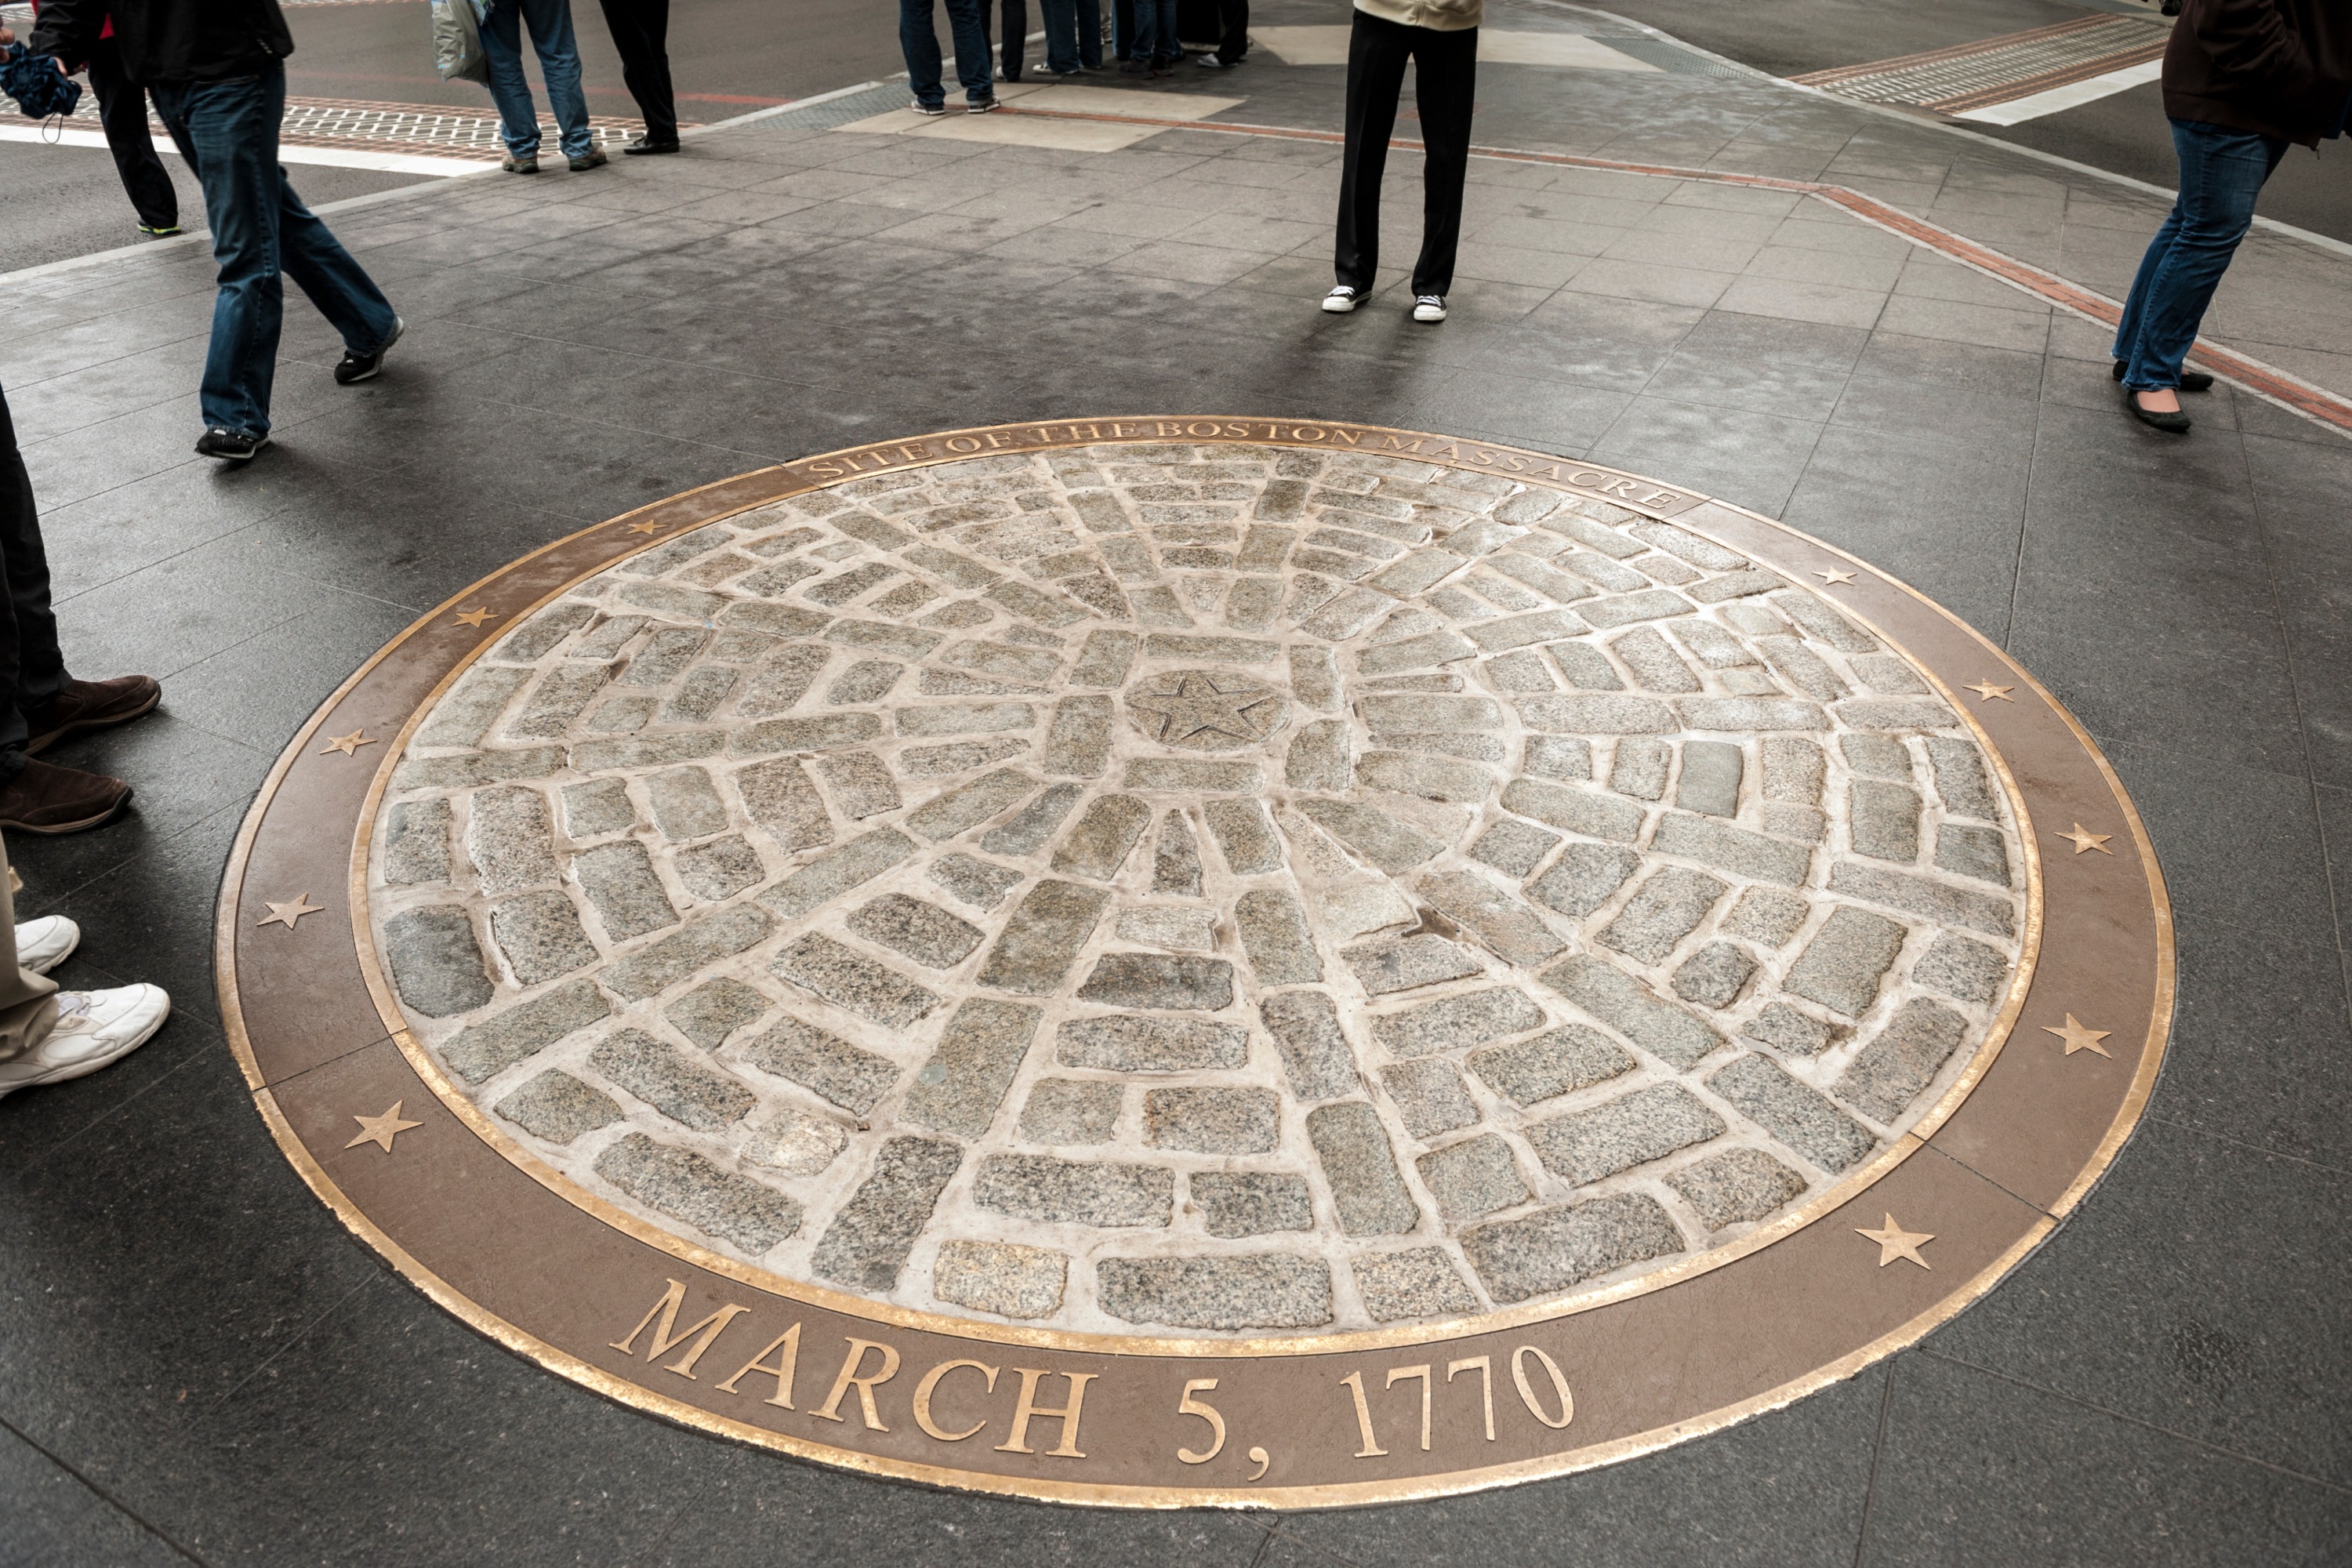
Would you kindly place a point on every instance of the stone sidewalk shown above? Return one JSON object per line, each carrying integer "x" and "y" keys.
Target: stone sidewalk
{"x": 212, "y": 1370}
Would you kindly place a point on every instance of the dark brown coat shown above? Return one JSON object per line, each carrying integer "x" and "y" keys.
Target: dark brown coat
{"x": 2282, "y": 67}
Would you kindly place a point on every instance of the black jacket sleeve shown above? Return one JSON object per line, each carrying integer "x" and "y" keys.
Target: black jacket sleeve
{"x": 68, "y": 29}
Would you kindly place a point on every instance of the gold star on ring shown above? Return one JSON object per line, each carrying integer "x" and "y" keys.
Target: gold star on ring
{"x": 650, "y": 525}
{"x": 348, "y": 744}
{"x": 1988, "y": 692}
{"x": 1834, "y": 576}
{"x": 475, "y": 617}
{"x": 2083, "y": 838}
{"x": 381, "y": 1131}
{"x": 1895, "y": 1242}
{"x": 2079, "y": 1038}
{"x": 286, "y": 914}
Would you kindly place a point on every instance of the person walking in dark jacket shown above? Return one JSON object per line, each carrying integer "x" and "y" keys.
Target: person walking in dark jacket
{"x": 2242, "y": 81}
{"x": 123, "y": 115}
{"x": 215, "y": 70}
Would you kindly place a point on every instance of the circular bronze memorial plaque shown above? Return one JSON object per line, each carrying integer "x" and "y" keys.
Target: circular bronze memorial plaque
{"x": 1164, "y": 961}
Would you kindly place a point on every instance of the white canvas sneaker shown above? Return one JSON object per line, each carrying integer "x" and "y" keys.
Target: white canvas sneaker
{"x": 1341, "y": 300}
{"x": 94, "y": 1028}
{"x": 44, "y": 944}
{"x": 1429, "y": 308}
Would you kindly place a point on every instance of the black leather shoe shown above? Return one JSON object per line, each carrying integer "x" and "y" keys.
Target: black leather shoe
{"x": 645, "y": 146}
{"x": 2170, "y": 424}
{"x": 2190, "y": 380}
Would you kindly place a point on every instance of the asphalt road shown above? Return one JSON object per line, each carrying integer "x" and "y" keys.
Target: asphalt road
{"x": 63, "y": 202}
{"x": 2126, "y": 133}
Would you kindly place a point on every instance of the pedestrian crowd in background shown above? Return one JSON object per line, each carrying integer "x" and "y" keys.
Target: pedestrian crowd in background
{"x": 1142, "y": 34}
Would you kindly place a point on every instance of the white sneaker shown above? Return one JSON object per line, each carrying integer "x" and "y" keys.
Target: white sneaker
{"x": 94, "y": 1028}
{"x": 44, "y": 944}
{"x": 1342, "y": 300}
{"x": 1429, "y": 308}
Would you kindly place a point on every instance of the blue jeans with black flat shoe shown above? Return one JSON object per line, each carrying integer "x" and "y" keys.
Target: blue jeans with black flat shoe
{"x": 2221, "y": 172}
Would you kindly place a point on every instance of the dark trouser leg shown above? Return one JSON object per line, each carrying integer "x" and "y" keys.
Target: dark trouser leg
{"x": 1377, "y": 51}
{"x": 1090, "y": 33}
{"x": 1234, "y": 42}
{"x": 232, "y": 128}
{"x": 921, "y": 45}
{"x": 32, "y": 670}
{"x": 2222, "y": 173}
{"x": 967, "y": 24}
{"x": 1014, "y": 16}
{"x": 640, "y": 30}
{"x": 1445, "y": 76}
{"x": 122, "y": 112}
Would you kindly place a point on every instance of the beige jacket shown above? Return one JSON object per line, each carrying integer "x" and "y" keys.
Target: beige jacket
{"x": 1437, "y": 15}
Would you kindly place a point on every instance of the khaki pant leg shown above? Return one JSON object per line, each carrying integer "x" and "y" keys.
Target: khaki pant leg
{"x": 29, "y": 1006}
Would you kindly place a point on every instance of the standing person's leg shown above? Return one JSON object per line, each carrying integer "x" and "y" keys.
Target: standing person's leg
{"x": 1167, "y": 46}
{"x": 967, "y": 25}
{"x": 122, "y": 114}
{"x": 232, "y": 128}
{"x": 920, "y": 45}
{"x": 559, "y": 65}
{"x": 1376, "y": 56}
{"x": 1090, "y": 38}
{"x": 1444, "y": 81}
{"x": 1122, "y": 29}
{"x": 2222, "y": 173}
{"x": 29, "y": 1002}
{"x": 1061, "y": 20}
{"x": 1014, "y": 17}
{"x": 510, "y": 89}
{"x": 640, "y": 30}
{"x": 38, "y": 703}
{"x": 1235, "y": 42}
{"x": 48, "y": 1036}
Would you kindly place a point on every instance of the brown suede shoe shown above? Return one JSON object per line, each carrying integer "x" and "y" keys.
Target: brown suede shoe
{"x": 91, "y": 705}
{"x": 50, "y": 799}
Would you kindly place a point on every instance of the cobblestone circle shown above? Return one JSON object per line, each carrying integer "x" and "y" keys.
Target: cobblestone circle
{"x": 1196, "y": 888}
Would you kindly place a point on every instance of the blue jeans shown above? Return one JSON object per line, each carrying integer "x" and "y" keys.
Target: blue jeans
{"x": 2221, "y": 172}
{"x": 262, "y": 234}
{"x": 1072, "y": 35}
{"x": 1155, "y": 32}
{"x": 921, "y": 46}
{"x": 559, "y": 62}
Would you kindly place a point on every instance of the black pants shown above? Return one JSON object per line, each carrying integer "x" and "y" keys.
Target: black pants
{"x": 32, "y": 669}
{"x": 640, "y": 31}
{"x": 1014, "y": 31}
{"x": 1445, "y": 79}
{"x": 122, "y": 112}
{"x": 1232, "y": 31}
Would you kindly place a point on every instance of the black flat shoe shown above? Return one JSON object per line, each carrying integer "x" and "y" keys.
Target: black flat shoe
{"x": 2190, "y": 380}
{"x": 2170, "y": 424}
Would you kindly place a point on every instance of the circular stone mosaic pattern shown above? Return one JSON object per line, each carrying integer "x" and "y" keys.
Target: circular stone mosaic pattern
{"x": 1196, "y": 888}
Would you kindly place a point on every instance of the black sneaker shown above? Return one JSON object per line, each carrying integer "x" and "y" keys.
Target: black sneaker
{"x": 160, "y": 230}
{"x": 928, "y": 110}
{"x": 358, "y": 367}
{"x": 646, "y": 146}
{"x": 230, "y": 446}
{"x": 980, "y": 106}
